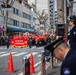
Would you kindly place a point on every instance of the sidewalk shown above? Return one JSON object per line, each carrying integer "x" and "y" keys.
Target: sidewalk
{"x": 5, "y": 47}
{"x": 55, "y": 70}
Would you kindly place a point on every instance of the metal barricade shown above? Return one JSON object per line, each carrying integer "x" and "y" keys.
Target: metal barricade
{"x": 43, "y": 64}
{"x": 25, "y": 69}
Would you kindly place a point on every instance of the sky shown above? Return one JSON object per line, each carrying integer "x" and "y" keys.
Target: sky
{"x": 74, "y": 5}
{"x": 42, "y": 4}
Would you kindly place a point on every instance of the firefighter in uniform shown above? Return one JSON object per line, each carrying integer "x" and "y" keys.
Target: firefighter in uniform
{"x": 61, "y": 51}
{"x": 72, "y": 38}
{"x": 30, "y": 41}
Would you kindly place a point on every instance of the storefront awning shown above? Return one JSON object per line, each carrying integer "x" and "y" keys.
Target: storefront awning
{"x": 19, "y": 29}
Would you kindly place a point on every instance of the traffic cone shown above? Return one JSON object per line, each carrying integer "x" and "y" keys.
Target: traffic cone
{"x": 32, "y": 70}
{"x": 10, "y": 67}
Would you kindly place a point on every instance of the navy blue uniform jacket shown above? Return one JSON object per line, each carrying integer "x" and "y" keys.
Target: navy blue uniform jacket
{"x": 69, "y": 64}
{"x": 73, "y": 38}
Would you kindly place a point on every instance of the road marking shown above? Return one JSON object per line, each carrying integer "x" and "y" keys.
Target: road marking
{"x": 37, "y": 64}
{"x": 34, "y": 53}
{"x": 39, "y": 73}
{"x": 40, "y": 48}
{"x": 33, "y": 47}
{"x": 20, "y": 54}
{"x": 39, "y": 55}
{"x": 2, "y": 52}
{"x": 6, "y": 54}
{"x": 45, "y": 68}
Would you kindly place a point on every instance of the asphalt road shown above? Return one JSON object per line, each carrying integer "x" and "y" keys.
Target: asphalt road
{"x": 18, "y": 54}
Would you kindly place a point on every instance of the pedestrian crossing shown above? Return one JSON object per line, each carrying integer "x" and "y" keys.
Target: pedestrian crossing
{"x": 20, "y": 54}
{"x": 16, "y": 54}
{"x": 5, "y": 54}
{"x": 33, "y": 47}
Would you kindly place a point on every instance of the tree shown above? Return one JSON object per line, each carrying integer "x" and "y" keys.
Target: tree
{"x": 40, "y": 15}
{"x": 5, "y": 4}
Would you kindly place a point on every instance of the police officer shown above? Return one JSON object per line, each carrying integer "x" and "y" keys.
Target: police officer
{"x": 72, "y": 37}
{"x": 48, "y": 40}
{"x": 61, "y": 51}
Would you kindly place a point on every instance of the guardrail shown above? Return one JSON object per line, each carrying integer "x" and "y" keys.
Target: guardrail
{"x": 46, "y": 66}
{"x": 25, "y": 69}
{"x": 43, "y": 64}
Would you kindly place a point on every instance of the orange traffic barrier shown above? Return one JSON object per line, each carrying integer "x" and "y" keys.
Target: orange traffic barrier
{"x": 10, "y": 67}
{"x": 32, "y": 70}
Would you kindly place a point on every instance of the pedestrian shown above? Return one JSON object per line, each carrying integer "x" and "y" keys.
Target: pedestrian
{"x": 7, "y": 40}
{"x": 61, "y": 51}
{"x": 72, "y": 38}
{"x": 48, "y": 40}
{"x": 30, "y": 41}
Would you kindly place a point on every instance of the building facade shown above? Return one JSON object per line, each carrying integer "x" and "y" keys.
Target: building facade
{"x": 52, "y": 15}
{"x": 20, "y": 18}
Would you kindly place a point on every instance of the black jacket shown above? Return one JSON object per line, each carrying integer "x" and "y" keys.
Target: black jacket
{"x": 73, "y": 38}
{"x": 69, "y": 64}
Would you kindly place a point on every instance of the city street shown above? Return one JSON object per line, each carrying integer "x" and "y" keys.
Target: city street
{"x": 18, "y": 54}
{"x": 37, "y": 23}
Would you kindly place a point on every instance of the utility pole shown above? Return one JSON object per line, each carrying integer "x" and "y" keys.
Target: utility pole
{"x": 35, "y": 4}
{"x": 70, "y": 7}
{"x": 6, "y": 19}
{"x": 60, "y": 9}
{"x": 65, "y": 20}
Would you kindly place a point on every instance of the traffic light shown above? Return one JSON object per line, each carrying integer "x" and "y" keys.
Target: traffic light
{"x": 60, "y": 29}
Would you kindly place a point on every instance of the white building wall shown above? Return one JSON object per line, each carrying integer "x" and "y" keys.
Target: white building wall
{"x": 22, "y": 9}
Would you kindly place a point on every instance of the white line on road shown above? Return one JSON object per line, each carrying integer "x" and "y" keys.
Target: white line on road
{"x": 34, "y": 53}
{"x": 40, "y": 48}
{"x": 37, "y": 64}
{"x": 39, "y": 55}
{"x": 6, "y": 54}
{"x": 46, "y": 68}
{"x": 2, "y": 52}
{"x": 33, "y": 47}
{"x": 20, "y": 54}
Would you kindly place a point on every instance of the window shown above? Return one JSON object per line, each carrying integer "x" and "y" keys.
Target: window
{"x": 24, "y": 25}
{"x": 15, "y": 11}
{"x": 15, "y": 23}
{"x": 26, "y": 16}
{"x": 29, "y": 26}
{"x": 34, "y": 19}
{"x": 51, "y": 1}
{"x": 29, "y": 17}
